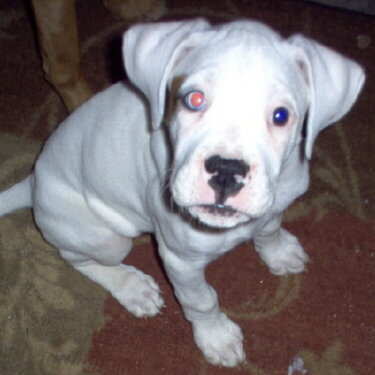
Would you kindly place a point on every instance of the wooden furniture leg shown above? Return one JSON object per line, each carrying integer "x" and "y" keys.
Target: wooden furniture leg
{"x": 58, "y": 40}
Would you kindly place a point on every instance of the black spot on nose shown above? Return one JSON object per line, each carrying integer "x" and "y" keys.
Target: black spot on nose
{"x": 225, "y": 176}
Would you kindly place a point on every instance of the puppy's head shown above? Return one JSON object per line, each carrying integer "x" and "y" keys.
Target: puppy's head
{"x": 238, "y": 95}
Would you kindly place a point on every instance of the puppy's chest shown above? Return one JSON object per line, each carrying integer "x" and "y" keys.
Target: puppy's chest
{"x": 214, "y": 243}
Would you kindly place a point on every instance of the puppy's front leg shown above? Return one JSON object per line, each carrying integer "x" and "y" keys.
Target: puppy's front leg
{"x": 279, "y": 249}
{"x": 215, "y": 334}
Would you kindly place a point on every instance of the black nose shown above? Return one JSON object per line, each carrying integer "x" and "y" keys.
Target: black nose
{"x": 225, "y": 176}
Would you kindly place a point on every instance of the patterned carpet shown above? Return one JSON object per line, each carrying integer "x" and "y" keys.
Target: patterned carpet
{"x": 54, "y": 321}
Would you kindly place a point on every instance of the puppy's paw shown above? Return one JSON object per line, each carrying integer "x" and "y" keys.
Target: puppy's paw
{"x": 285, "y": 256}
{"x": 220, "y": 341}
{"x": 139, "y": 294}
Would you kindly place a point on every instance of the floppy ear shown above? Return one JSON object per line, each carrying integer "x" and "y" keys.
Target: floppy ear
{"x": 334, "y": 83}
{"x": 149, "y": 52}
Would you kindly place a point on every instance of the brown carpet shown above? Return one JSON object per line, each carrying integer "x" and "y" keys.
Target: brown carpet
{"x": 54, "y": 321}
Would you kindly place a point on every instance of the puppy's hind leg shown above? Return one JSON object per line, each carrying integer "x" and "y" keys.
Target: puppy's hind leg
{"x": 133, "y": 289}
{"x": 94, "y": 249}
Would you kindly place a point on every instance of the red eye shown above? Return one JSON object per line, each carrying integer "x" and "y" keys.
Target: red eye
{"x": 194, "y": 100}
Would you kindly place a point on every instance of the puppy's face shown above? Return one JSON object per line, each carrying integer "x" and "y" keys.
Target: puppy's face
{"x": 235, "y": 116}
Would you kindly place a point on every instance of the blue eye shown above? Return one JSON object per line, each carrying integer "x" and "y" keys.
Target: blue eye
{"x": 194, "y": 100}
{"x": 280, "y": 116}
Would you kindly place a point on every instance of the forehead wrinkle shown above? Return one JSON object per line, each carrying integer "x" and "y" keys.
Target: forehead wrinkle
{"x": 261, "y": 78}
{"x": 244, "y": 54}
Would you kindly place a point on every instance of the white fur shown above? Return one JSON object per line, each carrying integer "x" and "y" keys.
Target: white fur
{"x": 113, "y": 170}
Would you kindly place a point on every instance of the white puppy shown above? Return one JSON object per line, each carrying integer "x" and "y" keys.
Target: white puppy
{"x": 207, "y": 154}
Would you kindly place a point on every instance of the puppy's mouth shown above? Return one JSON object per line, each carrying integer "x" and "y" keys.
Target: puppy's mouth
{"x": 218, "y": 215}
{"x": 219, "y": 209}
